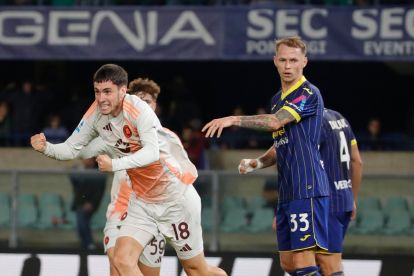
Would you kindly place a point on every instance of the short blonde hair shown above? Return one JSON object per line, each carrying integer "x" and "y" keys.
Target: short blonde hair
{"x": 144, "y": 85}
{"x": 291, "y": 41}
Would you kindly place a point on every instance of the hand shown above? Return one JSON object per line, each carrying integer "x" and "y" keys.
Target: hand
{"x": 248, "y": 165}
{"x": 218, "y": 125}
{"x": 87, "y": 207}
{"x": 38, "y": 142}
{"x": 104, "y": 163}
{"x": 354, "y": 211}
{"x": 274, "y": 225}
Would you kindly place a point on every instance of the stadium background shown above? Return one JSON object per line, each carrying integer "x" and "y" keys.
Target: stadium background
{"x": 206, "y": 87}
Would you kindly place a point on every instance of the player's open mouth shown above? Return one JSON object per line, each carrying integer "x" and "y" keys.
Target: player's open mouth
{"x": 104, "y": 106}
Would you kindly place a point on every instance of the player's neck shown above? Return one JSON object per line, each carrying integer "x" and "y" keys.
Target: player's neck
{"x": 118, "y": 110}
{"x": 287, "y": 85}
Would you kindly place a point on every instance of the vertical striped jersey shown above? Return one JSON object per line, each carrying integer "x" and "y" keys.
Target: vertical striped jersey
{"x": 335, "y": 147}
{"x": 301, "y": 174}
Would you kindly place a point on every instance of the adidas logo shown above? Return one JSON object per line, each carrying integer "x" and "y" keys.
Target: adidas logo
{"x": 158, "y": 260}
{"x": 186, "y": 248}
{"x": 108, "y": 127}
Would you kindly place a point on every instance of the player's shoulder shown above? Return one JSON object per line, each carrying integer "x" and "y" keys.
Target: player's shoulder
{"x": 309, "y": 88}
{"x": 133, "y": 106}
{"x": 132, "y": 99}
{"x": 277, "y": 96}
{"x": 172, "y": 136}
{"x": 333, "y": 114}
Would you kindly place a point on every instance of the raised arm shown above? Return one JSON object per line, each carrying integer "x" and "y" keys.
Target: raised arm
{"x": 67, "y": 150}
{"x": 263, "y": 122}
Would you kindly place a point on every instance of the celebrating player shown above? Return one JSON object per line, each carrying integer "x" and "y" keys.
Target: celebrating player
{"x": 162, "y": 201}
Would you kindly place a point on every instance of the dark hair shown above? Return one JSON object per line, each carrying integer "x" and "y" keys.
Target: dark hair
{"x": 144, "y": 85}
{"x": 111, "y": 72}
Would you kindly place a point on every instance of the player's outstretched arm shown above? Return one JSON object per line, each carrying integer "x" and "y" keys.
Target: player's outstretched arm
{"x": 262, "y": 122}
{"x": 67, "y": 150}
{"x": 217, "y": 125}
{"x": 38, "y": 142}
{"x": 266, "y": 160}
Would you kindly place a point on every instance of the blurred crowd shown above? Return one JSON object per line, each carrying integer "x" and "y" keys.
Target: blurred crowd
{"x": 201, "y": 2}
{"x": 27, "y": 108}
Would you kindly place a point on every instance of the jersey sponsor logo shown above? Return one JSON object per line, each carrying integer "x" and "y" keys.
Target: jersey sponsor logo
{"x": 127, "y": 131}
{"x": 77, "y": 129}
{"x": 304, "y": 238}
{"x": 125, "y": 149}
{"x": 338, "y": 124}
{"x": 106, "y": 240}
{"x": 281, "y": 142}
{"x": 48, "y": 28}
{"x": 343, "y": 184}
{"x": 186, "y": 248}
{"x": 278, "y": 133}
{"x": 107, "y": 127}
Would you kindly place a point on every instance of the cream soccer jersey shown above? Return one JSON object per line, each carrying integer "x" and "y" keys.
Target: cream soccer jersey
{"x": 158, "y": 171}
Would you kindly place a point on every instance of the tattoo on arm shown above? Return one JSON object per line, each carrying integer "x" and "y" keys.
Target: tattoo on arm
{"x": 284, "y": 116}
{"x": 263, "y": 122}
{"x": 267, "y": 122}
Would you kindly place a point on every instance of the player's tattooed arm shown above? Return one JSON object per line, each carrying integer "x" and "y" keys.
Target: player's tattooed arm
{"x": 266, "y": 122}
{"x": 263, "y": 122}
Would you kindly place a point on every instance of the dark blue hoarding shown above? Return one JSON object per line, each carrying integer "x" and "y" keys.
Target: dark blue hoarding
{"x": 205, "y": 33}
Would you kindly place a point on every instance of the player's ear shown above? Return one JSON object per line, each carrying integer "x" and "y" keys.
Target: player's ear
{"x": 305, "y": 61}
{"x": 123, "y": 90}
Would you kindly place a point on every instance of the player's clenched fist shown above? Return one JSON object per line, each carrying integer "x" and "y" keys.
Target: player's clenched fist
{"x": 249, "y": 165}
{"x": 38, "y": 142}
{"x": 104, "y": 163}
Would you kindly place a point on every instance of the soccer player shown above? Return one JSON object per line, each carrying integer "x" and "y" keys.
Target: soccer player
{"x": 164, "y": 199}
{"x": 296, "y": 120}
{"x": 148, "y": 91}
{"x": 343, "y": 165}
{"x": 150, "y": 260}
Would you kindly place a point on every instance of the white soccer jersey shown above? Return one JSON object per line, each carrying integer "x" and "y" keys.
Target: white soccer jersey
{"x": 158, "y": 171}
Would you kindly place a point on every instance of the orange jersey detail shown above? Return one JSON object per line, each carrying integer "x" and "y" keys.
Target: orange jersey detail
{"x": 121, "y": 202}
{"x": 91, "y": 110}
{"x": 131, "y": 109}
{"x": 149, "y": 182}
{"x": 185, "y": 177}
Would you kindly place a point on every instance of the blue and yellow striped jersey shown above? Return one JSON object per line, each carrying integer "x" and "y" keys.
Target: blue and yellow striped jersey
{"x": 335, "y": 147}
{"x": 300, "y": 171}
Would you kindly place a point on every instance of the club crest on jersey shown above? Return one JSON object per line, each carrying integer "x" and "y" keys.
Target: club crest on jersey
{"x": 127, "y": 131}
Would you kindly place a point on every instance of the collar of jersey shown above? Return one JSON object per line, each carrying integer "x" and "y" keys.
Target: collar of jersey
{"x": 294, "y": 87}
